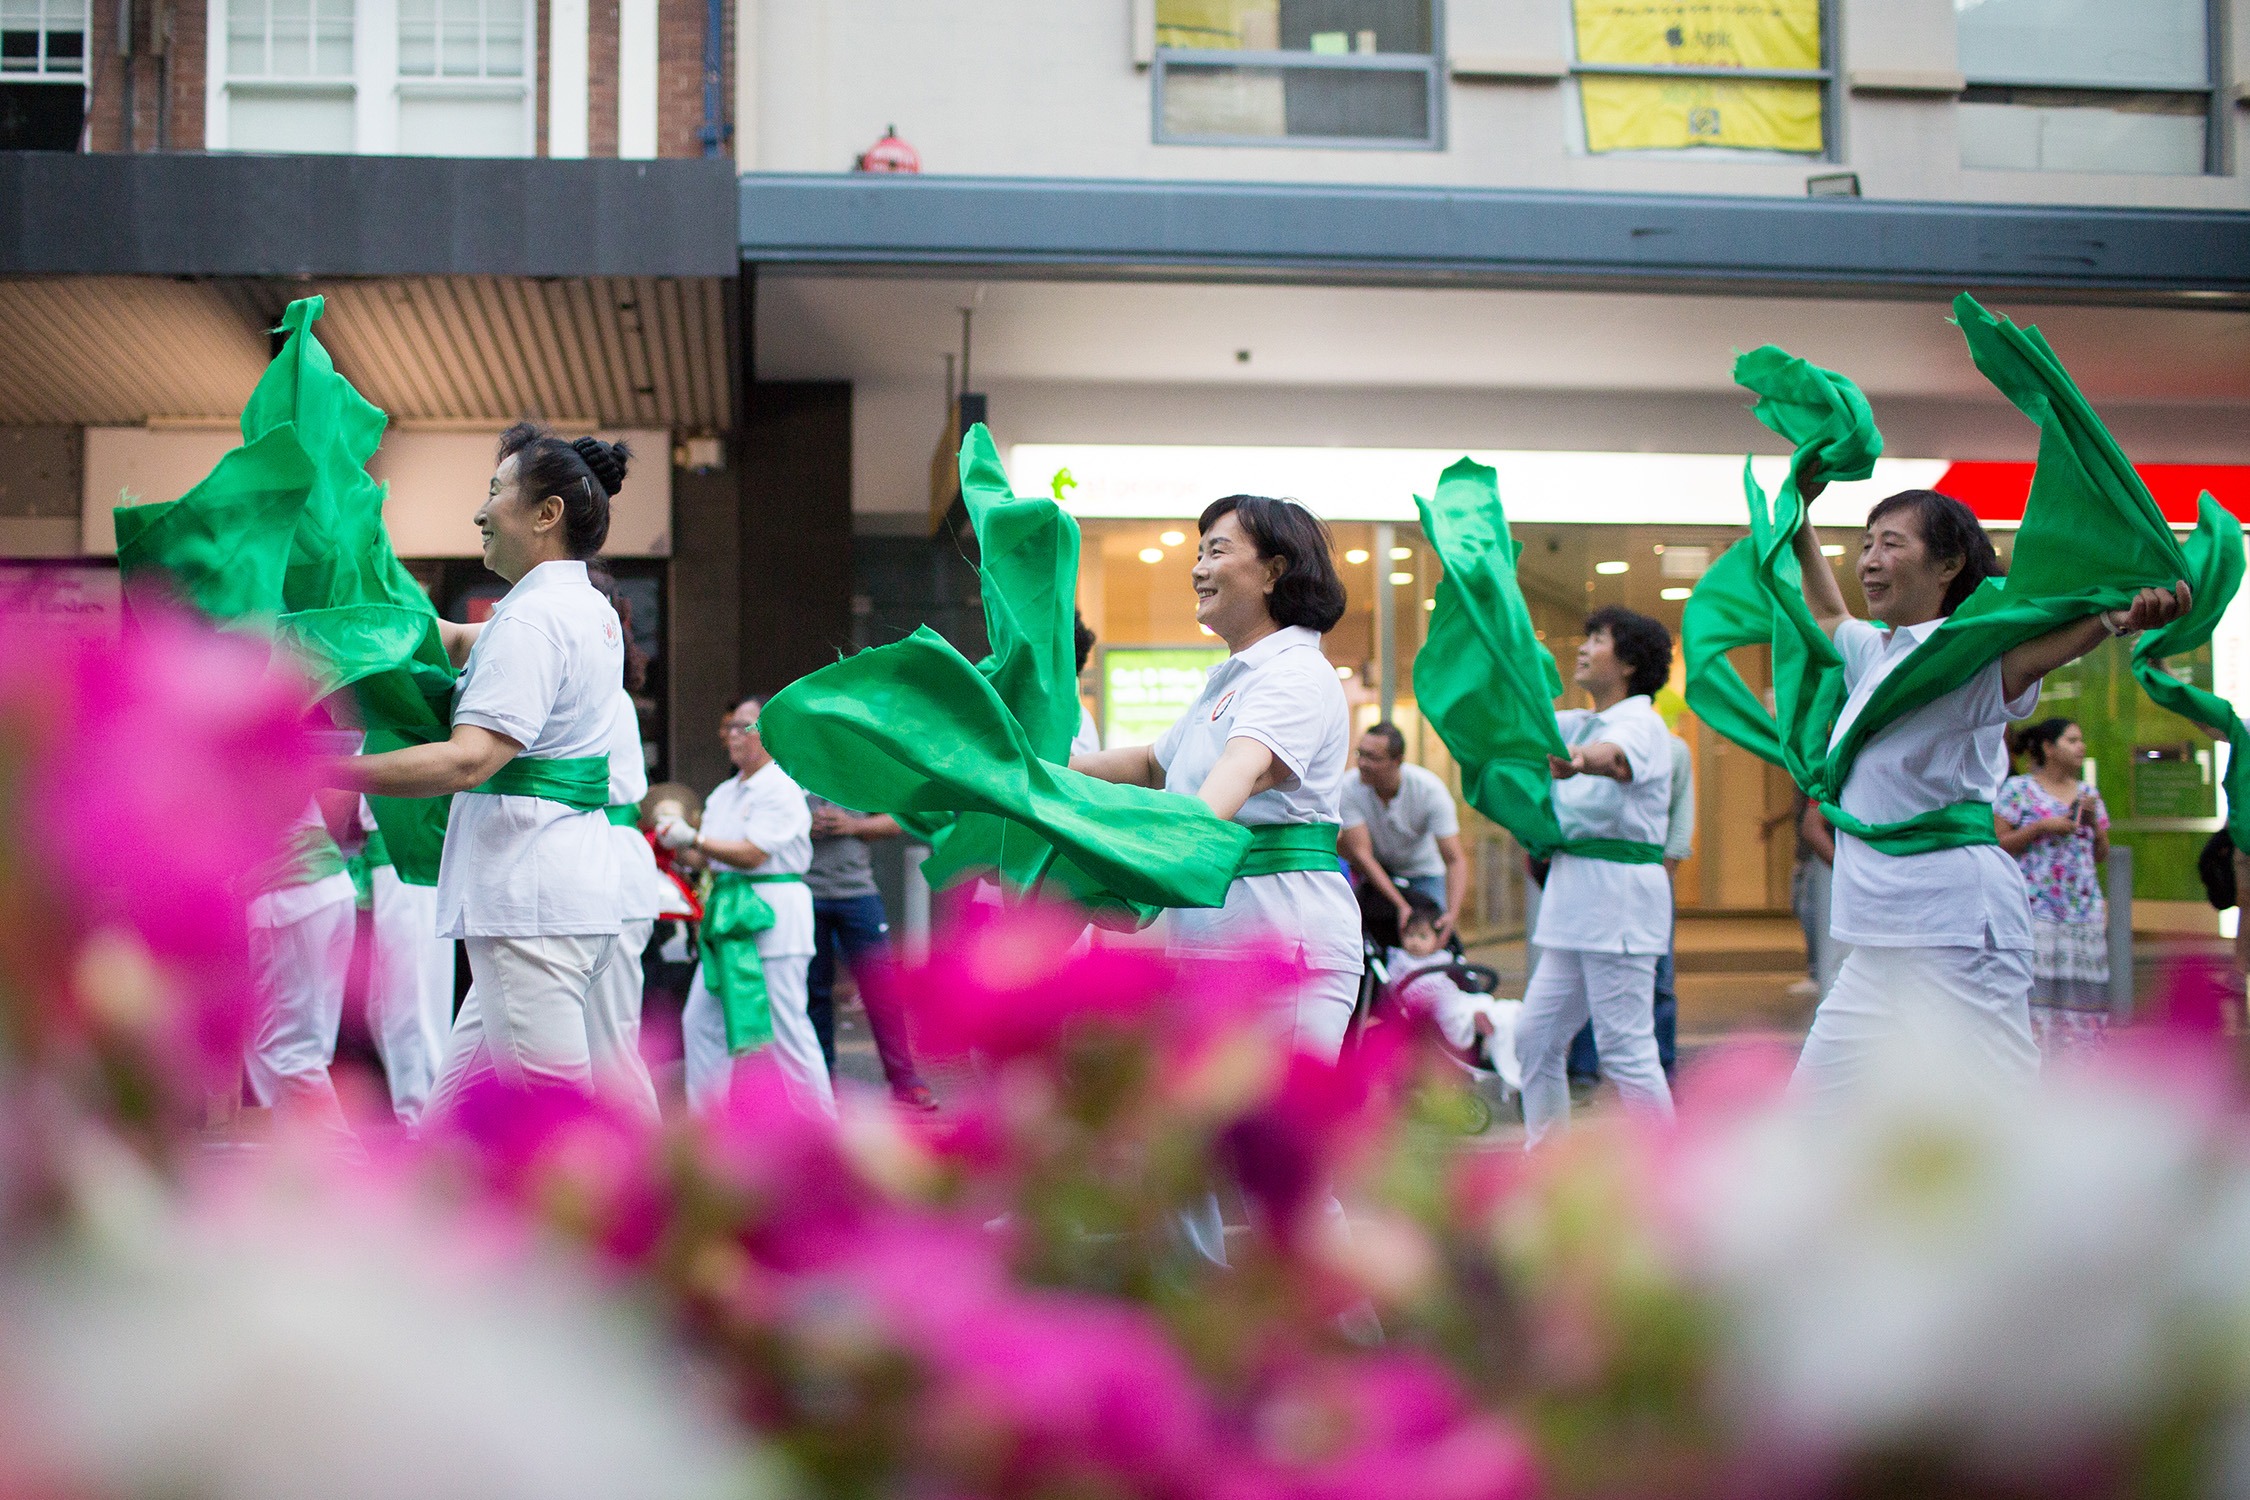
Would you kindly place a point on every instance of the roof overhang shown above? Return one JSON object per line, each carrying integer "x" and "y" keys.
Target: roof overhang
{"x": 1499, "y": 237}
{"x": 235, "y": 214}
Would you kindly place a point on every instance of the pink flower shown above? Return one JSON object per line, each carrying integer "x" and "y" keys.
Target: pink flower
{"x": 798, "y": 1195}
{"x": 1285, "y": 1151}
{"x": 157, "y": 772}
{"x": 585, "y": 1161}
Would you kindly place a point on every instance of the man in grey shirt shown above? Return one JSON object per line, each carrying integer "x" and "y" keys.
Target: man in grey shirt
{"x": 1400, "y": 830}
{"x": 848, "y": 916}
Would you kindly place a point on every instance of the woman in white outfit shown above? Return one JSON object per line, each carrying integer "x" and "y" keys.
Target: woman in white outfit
{"x": 1267, "y": 745}
{"x": 301, "y": 923}
{"x": 529, "y": 876}
{"x": 757, "y": 827}
{"x": 1605, "y": 915}
{"x": 1943, "y": 936}
{"x": 409, "y": 978}
{"x": 613, "y": 1011}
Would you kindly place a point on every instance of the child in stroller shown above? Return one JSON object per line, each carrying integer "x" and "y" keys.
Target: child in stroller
{"x": 1425, "y": 973}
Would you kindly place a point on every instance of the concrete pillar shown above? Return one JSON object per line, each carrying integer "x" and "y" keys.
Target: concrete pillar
{"x": 568, "y": 78}
{"x": 636, "y": 79}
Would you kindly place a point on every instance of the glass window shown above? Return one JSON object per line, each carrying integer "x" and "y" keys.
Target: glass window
{"x": 289, "y": 39}
{"x": 460, "y": 38}
{"x": 1702, "y": 75}
{"x": 2086, "y": 85}
{"x": 43, "y": 39}
{"x": 1327, "y": 72}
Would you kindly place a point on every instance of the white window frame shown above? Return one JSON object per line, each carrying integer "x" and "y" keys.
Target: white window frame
{"x": 40, "y": 71}
{"x": 375, "y": 86}
{"x": 2213, "y": 92}
{"x": 1432, "y": 65}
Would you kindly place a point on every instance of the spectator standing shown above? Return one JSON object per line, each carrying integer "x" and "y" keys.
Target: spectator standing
{"x": 2058, "y": 830}
{"x": 849, "y": 921}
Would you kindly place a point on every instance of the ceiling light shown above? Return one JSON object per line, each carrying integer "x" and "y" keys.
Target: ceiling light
{"x": 1356, "y": 556}
{"x": 1173, "y": 538}
{"x": 1831, "y": 550}
{"x": 1401, "y": 554}
{"x": 1152, "y": 554}
{"x": 1345, "y": 673}
{"x": 1429, "y": 604}
{"x": 1400, "y": 579}
{"x": 1675, "y": 595}
{"x": 1611, "y": 569}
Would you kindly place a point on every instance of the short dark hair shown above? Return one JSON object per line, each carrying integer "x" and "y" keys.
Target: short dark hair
{"x": 584, "y": 474}
{"x": 1308, "y": 592}
{"x": 1949, "y": 529}
{"x": 1642, "y": 644}
{"x": 1083, "y": 636}
{"x": 1420, "y": 908}
{"x": 1388, "y": 733}
{"x": 2035, "y": 740}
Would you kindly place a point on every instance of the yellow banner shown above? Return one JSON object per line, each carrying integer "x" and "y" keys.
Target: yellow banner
{"x": 1700, "y": 33}
{"x": 1226, "y": 25}
{"x": 1660, "y": 114}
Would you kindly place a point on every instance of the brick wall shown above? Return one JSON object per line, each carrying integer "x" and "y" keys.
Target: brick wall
{"x": 167, "y": 90}
{"x": 601, "y": 78}
{"x": 679, "y": 76}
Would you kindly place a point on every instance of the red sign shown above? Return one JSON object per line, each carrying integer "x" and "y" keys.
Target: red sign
{"x": 1996, "y": 491}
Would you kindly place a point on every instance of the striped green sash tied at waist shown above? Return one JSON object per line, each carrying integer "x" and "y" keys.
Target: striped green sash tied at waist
{"x": 1279, "y": 848}
{"x": 579, "y": 782}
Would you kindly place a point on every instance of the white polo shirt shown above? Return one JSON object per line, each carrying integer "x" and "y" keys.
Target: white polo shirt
{"x": 1951, "y": 749}
{"x": 1404, "y": 830}
{"x": 545, "y": 671}
{"x": 769, "y": 810}
{"x": 641, "y": 890}
{"x": 1283, "y": 693}
{"x": 1599, "y": 905}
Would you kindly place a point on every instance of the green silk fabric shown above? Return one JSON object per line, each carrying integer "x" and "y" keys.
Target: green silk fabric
{"x": 912, "y": 729}
{"x": 2091, "y": 538}
{"x": 579, "y": 782}
{"x": 309, "y": 854}
{"x": 733, "y": 916}
{"x": 1616, "y": 851}
{"x": 623, "y": 814}
{"x": 285, "y": 536}
{"x": 1279, "y": 848}
{"x": 2215, "y": 565}
{"x": 1027, "y": 569}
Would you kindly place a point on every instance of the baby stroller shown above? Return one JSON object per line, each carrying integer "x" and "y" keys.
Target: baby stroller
{"x": 1385, "y": 996}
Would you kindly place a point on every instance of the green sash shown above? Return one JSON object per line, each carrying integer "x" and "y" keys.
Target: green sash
{"x": 623, "y": 814}
{"x": 733, "y": 916}
{"x": 309, "y": 854}
{"x": 373, "y": 854}
{"x": 1485, "y": 681}
{"x": 1278, "y": 848}
{"x": 2091, "y": 538}
{"x": 286, "y": 535}
{"x": 578, "y": 782}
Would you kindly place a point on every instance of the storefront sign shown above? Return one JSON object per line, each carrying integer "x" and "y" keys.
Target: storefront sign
{"x": 1145, "y": 688}
{"x": 1641, "y": 113}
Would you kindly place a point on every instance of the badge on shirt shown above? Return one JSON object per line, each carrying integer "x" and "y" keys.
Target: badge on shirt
{"x": 1220, "y": 707}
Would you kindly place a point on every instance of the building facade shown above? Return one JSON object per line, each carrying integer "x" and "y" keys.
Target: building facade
{"x": 1169, "y": 248}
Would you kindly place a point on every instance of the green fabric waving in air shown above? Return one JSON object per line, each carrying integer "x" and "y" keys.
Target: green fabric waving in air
{"x": 1027, "y": 566}
{"x": 912, "y": 729}
{"x": 2092, "y": 537}
{"x": 286, "y": 534}
{"x": 1486, "y": 682}
{"x": 2215, "y": 565}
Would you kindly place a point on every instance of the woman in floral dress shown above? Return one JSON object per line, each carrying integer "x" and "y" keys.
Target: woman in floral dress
{"x": 2056, "y": 827}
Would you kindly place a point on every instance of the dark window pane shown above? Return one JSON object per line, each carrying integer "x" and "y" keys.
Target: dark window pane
{"x": 19, "y": 48}
{"x": 1395, "y": 25}
{"x": 1358, "y": 105}
{"x": 41, "y": 116}
{"x": 65, "y": 46}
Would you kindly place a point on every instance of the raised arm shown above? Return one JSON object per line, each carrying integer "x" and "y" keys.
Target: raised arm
{"x": 1823, "y": 595}
{"x": 1128, "y": 765}
{"x": 2023, "y": 667}
{"x": 1245, "y": 768}
{"x": 468, "y": 759}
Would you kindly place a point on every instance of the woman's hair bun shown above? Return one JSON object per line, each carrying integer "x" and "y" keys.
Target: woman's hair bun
{"x": 606, "y": 460}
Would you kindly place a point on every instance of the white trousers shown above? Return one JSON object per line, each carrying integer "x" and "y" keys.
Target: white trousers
{"x": 299, "y": 968}
{"x": 1975, "y": 1001}
{"x": 1618, "y": 992}
{"x": 524, "y": 1018}
{"x": 613, "y": 1020}
{"x": 796, "y": 1046}
{"x": 409, "y": 990}
{"x": 1323, "y": 1012}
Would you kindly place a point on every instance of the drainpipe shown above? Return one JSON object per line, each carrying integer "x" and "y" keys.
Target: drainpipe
{"x": 714, "y": 132}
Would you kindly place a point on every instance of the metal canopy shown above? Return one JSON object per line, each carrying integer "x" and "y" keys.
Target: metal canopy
{"x": 1420, "y": 235}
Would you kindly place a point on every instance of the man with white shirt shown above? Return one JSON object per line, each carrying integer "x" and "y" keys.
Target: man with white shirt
{"x": 1401, "y": 831}
{"x": 757, "y": 830}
